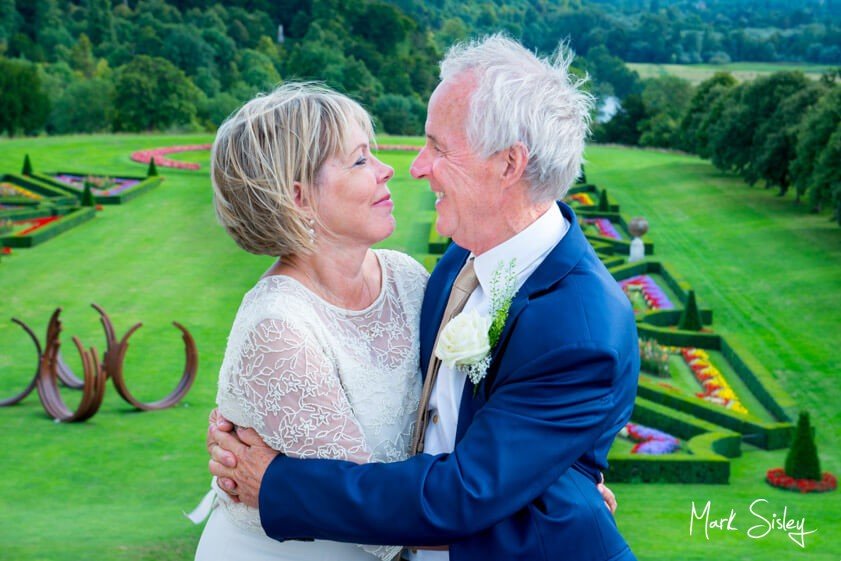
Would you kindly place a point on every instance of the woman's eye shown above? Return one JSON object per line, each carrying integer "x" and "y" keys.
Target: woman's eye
{"x": 361, "y": 162}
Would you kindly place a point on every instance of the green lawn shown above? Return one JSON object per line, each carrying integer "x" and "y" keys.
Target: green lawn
{"x": 770, "y": 272}
{"x": 114, "y": 488}
{"x": 697, "y": 73}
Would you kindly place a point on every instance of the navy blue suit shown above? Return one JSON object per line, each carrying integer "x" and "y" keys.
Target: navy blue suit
{"x": 521, "y": 482}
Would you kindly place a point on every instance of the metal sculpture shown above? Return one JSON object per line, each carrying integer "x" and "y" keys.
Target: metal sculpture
{"x": 52, "y": 369}
{"x": 116, "y": 353}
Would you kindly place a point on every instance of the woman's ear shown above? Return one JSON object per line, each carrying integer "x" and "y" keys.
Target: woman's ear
{"x": 301, "y": 200}
{"x": 516, "y": 160}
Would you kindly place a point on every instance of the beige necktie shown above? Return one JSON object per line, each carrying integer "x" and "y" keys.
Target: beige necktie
{"x": 465, "y": 284}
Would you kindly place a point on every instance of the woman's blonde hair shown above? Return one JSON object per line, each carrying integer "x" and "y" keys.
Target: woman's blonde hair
{"x": 261, "y": 151}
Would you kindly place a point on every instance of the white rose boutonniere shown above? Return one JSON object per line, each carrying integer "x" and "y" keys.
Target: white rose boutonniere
{"x": 467, "y": 339}
{"x": 464, "y": 340}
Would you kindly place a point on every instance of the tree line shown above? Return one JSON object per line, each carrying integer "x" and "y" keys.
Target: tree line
{"x": 783, "y": 129}
{"x": 130, "y": 65}
{"x": 91, "y": 66}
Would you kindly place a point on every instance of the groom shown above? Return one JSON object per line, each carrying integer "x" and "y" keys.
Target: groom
{"x": 510, "y": 463}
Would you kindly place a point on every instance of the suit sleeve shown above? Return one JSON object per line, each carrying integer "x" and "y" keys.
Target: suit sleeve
{"x": 538, "y": 421}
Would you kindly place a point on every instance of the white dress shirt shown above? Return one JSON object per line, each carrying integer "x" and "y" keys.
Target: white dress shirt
{"x": 528, "y": 248}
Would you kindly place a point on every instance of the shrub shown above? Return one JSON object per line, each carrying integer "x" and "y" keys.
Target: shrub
{"x": 802, "y": 459}
{"x": 690, "y": 319}
{"x": 87, "y": 195}
{"x": 153, "y": 169}
{"x": 604, "y": 205}
{"x": 27, "y": 166}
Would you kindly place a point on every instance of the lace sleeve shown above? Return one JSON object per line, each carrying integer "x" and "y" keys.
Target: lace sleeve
{"x": 290, "y": 392}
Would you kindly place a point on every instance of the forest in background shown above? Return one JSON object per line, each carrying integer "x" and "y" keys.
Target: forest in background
{"x": 84, "y": 66}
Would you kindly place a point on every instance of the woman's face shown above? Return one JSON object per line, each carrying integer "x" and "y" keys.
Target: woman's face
{"x": 353, "y": 201}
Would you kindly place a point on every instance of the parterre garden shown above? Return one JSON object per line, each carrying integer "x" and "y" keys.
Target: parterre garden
{"x": 708, "y": 411}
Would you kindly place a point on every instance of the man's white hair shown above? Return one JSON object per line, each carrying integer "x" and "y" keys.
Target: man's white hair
{"x": 521, "y": 97}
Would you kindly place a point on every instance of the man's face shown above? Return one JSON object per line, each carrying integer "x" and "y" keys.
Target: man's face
{"x": 465, "y": 184}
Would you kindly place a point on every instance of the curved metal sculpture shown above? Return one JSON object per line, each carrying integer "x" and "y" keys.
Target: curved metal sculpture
{"x": 19, "y": 397}
{"x": 52, "y": 369}
{"x": 93, "y": 388}
{"x": 116, "y": 353}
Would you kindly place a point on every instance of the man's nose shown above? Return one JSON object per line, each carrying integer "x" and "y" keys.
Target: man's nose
{"x": 420, "y": 167}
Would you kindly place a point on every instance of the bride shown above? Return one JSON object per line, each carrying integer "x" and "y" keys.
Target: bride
{"x": 322, "y": 359}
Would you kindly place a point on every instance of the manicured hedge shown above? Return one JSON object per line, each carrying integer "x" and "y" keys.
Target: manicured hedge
{"x": 768, "y": 436}
{"x": 761, "y": 384}
{"x": 722, "y": 443}
{"x": 670, "y": 318}
{"x": 51, "y": 230}
{"x": 39, "y": 187}
{"x": 18, "y": 201}
{"x": 672, "y": 280}
{"x": 145, "y": 185}
{"x": 672, "y": 421}
{"x": 53, "y": 182}
{"x": 668, "y": 468}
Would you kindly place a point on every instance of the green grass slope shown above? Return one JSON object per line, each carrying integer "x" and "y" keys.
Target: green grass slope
{"x": 114, "y": 488}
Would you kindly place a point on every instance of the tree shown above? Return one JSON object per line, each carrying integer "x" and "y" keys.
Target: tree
{"x": 400, "y": 114}
{"x": 826, "y": 183}
{"x": 84, "y": 106}
{"x": 23, "y": 103}
{"x": 27, "y": 166}
{"x": 50, "y": 30}
{"x": 258, "y": 71}
{"x": 81, "y": 56}
{"x": 813, "y": 134}
{"x": 666, "y": 99}
{"x": 100, "y": 21}
{"x": 802, "y": 458}
{"x": 623, "y": 128}
{"x": 151, "y": 93}
{"x": 87, "y": 196}
{"x": 152, "y": 170}
{"x": 185, "y": 48}
{"x": 691, "y": 137}
{"x": 608, "y": 69}
{"x": 690, "y": 317}
{"x": 734, "y": 138}
{"x": 778, "y": 139}
{"x": 9, "y": 22}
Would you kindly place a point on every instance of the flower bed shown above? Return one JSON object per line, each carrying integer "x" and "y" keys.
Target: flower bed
{"x": 604, "y": 226}
{"x": 716, "y": 388}
{"x": 583, "y": 199}
{"x": 650, "y": 441}
{"x": 11, "y": 190}
{"x": 145, "y": 156}
{"x": 34, "y": 225}
{"x": 778, "y": 478}
{"x": 653, "y": 295}
{"x": 100, "y": 186}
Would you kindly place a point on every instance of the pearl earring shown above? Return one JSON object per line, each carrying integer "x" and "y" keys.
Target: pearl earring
{"x": 311, "y": 229}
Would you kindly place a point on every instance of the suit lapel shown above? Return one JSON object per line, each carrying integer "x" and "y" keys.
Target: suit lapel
{"x": 548, "y": 274}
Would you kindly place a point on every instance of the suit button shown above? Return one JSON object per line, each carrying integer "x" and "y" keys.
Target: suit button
{"x": 435, "y": 418}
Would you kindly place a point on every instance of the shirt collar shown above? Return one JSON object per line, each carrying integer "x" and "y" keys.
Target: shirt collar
{"x": 526, "y": 247}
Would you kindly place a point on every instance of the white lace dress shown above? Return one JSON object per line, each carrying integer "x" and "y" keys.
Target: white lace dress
{"x": 318, "y": 381}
